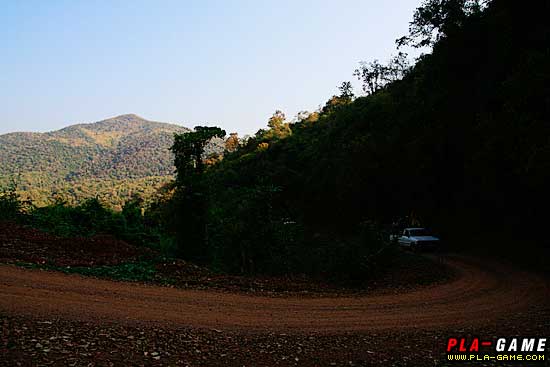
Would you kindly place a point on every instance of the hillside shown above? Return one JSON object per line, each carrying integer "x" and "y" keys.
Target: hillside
{"x": 459, "y": 143}
{"x": 112, "y": 159}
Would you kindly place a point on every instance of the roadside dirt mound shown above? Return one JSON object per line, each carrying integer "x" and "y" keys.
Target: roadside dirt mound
{"x": 20, "y": 243}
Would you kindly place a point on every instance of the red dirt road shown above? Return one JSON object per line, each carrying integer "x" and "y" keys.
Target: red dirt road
{"x": 481, "y": 294}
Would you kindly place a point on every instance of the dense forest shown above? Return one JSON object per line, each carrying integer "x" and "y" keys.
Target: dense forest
{"x": 459, "y": 140}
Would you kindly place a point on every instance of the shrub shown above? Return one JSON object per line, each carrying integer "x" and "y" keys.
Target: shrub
{"x": 10, "y": 205}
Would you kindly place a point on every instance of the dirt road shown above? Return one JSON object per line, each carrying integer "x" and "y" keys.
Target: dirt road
{"x": 481, "y": 294}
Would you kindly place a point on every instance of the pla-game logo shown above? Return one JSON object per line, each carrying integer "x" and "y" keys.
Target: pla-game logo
{"x": 500, "y": 349}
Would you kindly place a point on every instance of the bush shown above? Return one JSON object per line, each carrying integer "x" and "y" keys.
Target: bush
{"x": 10, "y": 205}
{"x": 92, "y": 217}
{"x": 87, "y": 219}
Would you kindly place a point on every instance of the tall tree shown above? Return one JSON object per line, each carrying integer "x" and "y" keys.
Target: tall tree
{"x": 374, "y": 75}
{"x": 435, "y": 19}
{"x": 345, "y": 97}
{"x": 278, "y": 127}
{"x": 346, "y": 91}
{"x": 191, "y": 199}
{"x": 188, "y": 149}
{"x": 277, "y": 120}
{"x": 232, "y": 143}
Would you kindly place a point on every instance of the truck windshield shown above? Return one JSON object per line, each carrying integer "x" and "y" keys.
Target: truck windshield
{"x": 419, "y": 232}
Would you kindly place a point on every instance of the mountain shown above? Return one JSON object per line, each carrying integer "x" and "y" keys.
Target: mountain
{"x": 113, "y": 159}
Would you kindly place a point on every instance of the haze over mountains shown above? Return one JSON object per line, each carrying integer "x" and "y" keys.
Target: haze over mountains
{"x": 114, "y": 159}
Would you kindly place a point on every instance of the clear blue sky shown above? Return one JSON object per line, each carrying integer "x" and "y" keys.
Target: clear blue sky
{"x": 229, "y": 63}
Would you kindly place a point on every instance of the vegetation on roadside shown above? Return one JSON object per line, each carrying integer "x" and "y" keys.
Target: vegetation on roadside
{"x": 143, "y": 271}
{"x": 89, "y": 219}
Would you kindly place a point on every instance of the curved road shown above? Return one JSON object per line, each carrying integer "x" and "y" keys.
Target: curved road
{"x": 482, "y": 293}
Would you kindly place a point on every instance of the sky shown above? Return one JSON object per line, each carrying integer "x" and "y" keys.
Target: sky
{"x": 225, "y": 63}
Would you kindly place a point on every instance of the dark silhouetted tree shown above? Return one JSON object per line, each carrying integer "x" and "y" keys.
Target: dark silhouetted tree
{"x": 436, "y": 18}
{"x": 346, "y": 91}
{"x": 188, "y": 150}
{"x": 374, "y": 75}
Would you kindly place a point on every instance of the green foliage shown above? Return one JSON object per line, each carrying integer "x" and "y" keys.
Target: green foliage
{"x": 10, "y": 204}
{"x": 87, "y": 219}
{"x": 191, "y": 203}
{"x": 141, "y": 271}
{"x": 234, "y": 217}
{"x": 346, "y": 97}
{"x": 278, "y": 127}
{"x": 354, "y": 258}
{"x": 248, "y": 233}
{"x": 188, "y": 151}
{"x": 132, "y": 224}
{"x": 92, "y": 217}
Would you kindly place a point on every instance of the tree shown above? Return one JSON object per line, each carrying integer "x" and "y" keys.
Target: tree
{"x": 278, "y": 127}
{"x": 370, "y": 74}
{"x": 191, "y": 198}
{"x": 277, "y": 120}
{"x": 346, "y": 91}
{"x": 301, "y": 116}
{"x": 232, "y": 143}
{"x": 435, "y": 19}
{"x": 397, "y": 68}
{"x": 374, "y": 75}
{"x": 188, "y": 149}
{"x": 10, "y": 203}
{"x": 345, "y": 97}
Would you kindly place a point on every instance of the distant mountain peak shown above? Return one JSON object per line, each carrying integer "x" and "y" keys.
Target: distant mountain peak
{"x": 131, "y": 117}
{"x": 121, "y": 125}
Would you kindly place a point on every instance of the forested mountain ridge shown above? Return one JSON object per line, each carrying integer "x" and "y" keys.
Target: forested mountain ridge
{"x": 105, "y": 159}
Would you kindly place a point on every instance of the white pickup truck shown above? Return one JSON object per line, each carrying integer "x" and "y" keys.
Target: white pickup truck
{"x": 417, "y": 239}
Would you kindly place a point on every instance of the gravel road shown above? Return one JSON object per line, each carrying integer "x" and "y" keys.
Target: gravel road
{"x": 479, "y": 295}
